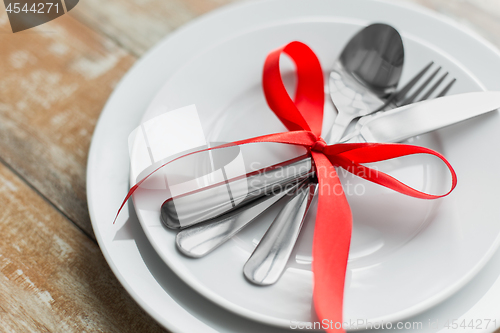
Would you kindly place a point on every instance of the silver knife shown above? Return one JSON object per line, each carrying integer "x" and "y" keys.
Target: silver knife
{"x": 388, "y": 126}
{"x": 424, "y": 116}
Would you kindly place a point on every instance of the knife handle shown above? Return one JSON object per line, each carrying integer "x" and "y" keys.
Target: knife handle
{"x": 207, "y": 203}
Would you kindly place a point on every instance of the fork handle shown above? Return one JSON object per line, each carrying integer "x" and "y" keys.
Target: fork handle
{"x": 268, "y": 261}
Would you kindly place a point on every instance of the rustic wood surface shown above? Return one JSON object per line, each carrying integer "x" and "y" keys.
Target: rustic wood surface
{"x": 54, "y": 81}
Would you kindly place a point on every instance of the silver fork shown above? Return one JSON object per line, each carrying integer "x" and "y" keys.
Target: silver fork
{"x": 268, "y": 261}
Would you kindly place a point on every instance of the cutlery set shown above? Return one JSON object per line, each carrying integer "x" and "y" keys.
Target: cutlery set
{"x": 363, "y": 87}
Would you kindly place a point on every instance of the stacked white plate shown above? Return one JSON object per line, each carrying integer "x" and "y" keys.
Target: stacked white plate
{"x": 413, "y": 261}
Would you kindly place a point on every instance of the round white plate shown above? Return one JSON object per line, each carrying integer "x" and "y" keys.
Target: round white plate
{"x": 225, "y": 84}
{"x": 124, "y": 245}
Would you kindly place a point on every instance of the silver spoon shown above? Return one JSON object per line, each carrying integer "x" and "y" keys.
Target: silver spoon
{"x": 363, "y": 79}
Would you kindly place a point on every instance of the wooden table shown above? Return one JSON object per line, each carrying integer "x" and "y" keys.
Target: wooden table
{"x": 54, "y": 81}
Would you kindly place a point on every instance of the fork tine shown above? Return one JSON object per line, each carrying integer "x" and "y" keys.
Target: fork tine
{"x": 434, "y": 87}
{"x": 400, "y": 95}
{"x": 421, "y": 88}
{"x": 448, "y": 87}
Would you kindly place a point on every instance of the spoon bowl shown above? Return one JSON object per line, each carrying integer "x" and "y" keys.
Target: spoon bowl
{"x": 375, "y": 58}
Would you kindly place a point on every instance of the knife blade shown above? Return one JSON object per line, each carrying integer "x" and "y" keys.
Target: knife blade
{"x": 414, "y": 119}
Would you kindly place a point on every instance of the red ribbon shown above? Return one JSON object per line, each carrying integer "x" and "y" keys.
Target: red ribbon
{"x": 304, "y": 117}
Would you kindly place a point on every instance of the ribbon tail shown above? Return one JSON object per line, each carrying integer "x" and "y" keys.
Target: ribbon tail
{"x": 332, "y": 238}
{"x": 298, "y": 138}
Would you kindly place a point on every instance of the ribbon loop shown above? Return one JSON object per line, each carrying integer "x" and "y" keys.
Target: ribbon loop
{"x": 350, "y": 156}
{"x": 306, "y": 111}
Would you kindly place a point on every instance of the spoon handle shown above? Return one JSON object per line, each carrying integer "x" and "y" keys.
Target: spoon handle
{"x": 268, "y": 261}
{"x": 338, "y": 129}
{"x": 201, "y": 239}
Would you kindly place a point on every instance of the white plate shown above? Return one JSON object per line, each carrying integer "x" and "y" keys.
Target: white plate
{"x": 225, "y": 84}
{"x": 124, "y": 245}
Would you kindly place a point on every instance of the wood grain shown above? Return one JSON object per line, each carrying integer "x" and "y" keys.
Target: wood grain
{"x": 53, "y": 278}
{"x": 482, "y": 16}
{"x": 137, "y": 25}
{"x": 54, "y": 82}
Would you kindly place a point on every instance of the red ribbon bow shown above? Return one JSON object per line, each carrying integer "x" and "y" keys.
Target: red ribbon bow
{"x": 304, "y": 117}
